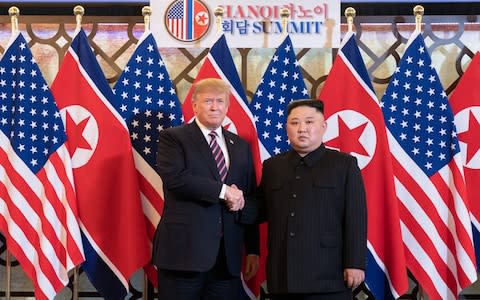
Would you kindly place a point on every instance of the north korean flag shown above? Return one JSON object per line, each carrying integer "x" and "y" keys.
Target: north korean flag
{"x": 356, "y": 126}
{"x": 465, "y": 103}
{"x": 111, "y": 216}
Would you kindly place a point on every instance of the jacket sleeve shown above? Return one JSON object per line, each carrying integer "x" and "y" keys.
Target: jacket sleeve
{"x": 355, "y": 228}
{"x": 252, "y": 239}
{"x": 248, "y": 215}
{"x": 260, "y": 195}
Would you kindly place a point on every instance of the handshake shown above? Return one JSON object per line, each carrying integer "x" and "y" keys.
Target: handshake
{"x": 234, "y": 198}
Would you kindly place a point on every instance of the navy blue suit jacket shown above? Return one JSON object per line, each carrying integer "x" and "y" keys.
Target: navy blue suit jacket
{"x": 194, "y": 218}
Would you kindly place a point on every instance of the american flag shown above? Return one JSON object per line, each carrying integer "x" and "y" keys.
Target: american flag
{"x": 187, "y": 20}
{"x": 147, "y": 101}
{"x": 37, "y": 198}
{"x": 282, "y": 82}
{"x": 356, "y": 126}
{"x": 465, "y": 102}
{"x": 429, "y": 182}
{"x": 176, "y": 20}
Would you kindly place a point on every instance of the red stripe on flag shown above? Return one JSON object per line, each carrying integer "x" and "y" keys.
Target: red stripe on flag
{"x": 422, "y": 199}
{"x": 73, "y": 246}
{"x": 33, "y": 237}
{"x": 428, "y": 246}
{"x": 155, "y": 202}
{"x": 35, "y": 203}
{"x": 452, "y": 235}
{"x": 458, "y": 228}
{"x": 19, "y": 251}
{"x": 59, "y": 210}
{"x": 421, "y": 274}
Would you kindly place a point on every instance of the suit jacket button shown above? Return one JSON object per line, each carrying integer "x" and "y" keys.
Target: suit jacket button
{"x": 292, "y": 214}
{"x": 292, "y": 234}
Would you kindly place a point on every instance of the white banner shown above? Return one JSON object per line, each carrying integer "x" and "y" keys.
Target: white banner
{"x": 246, "y": 23}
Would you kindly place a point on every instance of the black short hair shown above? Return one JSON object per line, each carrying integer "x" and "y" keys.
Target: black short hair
{"x": 317, "y": 104}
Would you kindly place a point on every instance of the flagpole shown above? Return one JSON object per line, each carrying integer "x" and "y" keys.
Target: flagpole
{"x": 218, "y": 17}
{"x": 78, "y": 12}
{"x": 418, "y": 13}
{"x": 8, "y": 277}
{"x": 146, "y": 13}
{"x": 13, "y": 12}
{"x": 350, "y": 14}
{"x": 284, "y": 14}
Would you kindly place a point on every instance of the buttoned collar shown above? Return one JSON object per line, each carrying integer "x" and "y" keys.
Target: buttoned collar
{"x": 309, "y": 160}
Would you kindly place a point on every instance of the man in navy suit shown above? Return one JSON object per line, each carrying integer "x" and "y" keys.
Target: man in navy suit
{"x": 208, "y": 180}
{"x": 314, "y": 201}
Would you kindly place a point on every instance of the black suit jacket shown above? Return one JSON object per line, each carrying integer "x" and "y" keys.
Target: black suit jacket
{"x": 317, "y": 221}
{"x": 194, "y": 218}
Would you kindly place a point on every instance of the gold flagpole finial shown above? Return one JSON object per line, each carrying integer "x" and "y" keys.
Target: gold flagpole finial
{"x": 418, "y": 11}
{"x": 146, "y": 13}
{"x": 78, "y": 12}
{"x": 350, "y": 14}
{"x": 218, "y": 12}
{"x": 14, "y": 12}
{"x": 284, "y": 14}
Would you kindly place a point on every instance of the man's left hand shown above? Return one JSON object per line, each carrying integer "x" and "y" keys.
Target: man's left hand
{"x": 353, "y": 277}
{"x": 251, "y": 266}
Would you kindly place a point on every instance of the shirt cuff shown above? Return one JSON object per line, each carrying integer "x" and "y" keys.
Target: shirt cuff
{"x": 222, "y": 192}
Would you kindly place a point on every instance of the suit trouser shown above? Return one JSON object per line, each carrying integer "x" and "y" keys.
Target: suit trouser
{"x": 215, "y": 284}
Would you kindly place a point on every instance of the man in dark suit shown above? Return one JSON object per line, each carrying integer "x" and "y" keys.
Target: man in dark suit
{"x": 208, "y": 180}
{"x": 313, "y": 199}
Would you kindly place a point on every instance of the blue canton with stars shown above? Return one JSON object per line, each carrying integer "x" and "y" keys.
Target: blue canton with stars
{"x": 146, "y": 99}
{"x": 28, "y": 113}
{"x": 281, "y": 83}
{"x": 417, "y": 112}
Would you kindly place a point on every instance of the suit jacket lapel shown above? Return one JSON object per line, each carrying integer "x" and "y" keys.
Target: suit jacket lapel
{"x": 232, "y": 150}
{"x": 201, "y": 144}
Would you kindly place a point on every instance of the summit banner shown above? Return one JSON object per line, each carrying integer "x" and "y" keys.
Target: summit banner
{"x": 246, "y": 23}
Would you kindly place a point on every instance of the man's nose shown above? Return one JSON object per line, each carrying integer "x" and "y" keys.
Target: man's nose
{"x": 302, "y": 127}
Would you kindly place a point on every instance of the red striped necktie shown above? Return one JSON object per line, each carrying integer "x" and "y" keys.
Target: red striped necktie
{"x": 218, "y": 155}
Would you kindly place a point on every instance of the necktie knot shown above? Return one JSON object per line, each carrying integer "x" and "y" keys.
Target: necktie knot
{"x": 213, "y": 135}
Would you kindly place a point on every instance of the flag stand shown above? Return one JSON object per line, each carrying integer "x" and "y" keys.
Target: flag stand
{"x": 145, "y": 286}
{"x": 8, "y": 277}
{"x": 75, "y": 284}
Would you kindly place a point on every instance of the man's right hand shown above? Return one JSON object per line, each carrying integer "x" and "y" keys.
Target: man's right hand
{"x": 234, "y": 198}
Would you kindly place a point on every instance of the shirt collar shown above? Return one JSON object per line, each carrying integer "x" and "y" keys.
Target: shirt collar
{"x": 310, "y": 159}
{"x": 207, "y": 131}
